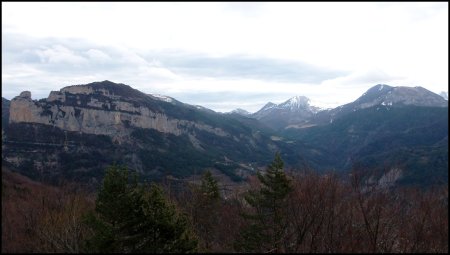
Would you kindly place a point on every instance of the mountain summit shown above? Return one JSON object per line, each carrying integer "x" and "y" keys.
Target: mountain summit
{"x": 294, "y": 110}
{"x": 105, "y": 88}
{"x": 241, "y": 112}
{"x": 383, "y": 96}
{"x": 295, "y": 103}
{"x": 386, "y": 95}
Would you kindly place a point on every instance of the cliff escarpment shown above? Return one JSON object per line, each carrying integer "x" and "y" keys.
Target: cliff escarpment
{"x": 102, "y": 110}
{"x": 79, "y": 130}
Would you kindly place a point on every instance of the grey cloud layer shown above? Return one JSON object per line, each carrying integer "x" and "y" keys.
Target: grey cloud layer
{"x": 75, "y": 57}
{"x": 41, "y": 65}
{"x": 239, "y": 66}
{"x": 52, "y": 62}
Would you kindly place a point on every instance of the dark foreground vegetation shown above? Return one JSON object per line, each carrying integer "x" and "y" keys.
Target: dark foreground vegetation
{"x": 277, "y": 212}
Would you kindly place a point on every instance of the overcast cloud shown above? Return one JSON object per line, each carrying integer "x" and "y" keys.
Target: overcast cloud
{"x": 226, "y": 55}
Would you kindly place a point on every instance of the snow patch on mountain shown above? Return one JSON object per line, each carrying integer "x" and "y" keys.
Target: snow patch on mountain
{"x": 268, "y": 106}
{"x": 296, "y": 102}
{"x": 241, "y": 112}
{"x": 162, "y": 98}
{"x": 386, "y": 95}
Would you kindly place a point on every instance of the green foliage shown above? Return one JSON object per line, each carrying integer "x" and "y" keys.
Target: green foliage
{"x": 275, "y": 184}
{"x": 209, "y": 187}
{"x": 205, "y": 211}
{"x": 132, "y": 217}
{"x": 268, "y": 221}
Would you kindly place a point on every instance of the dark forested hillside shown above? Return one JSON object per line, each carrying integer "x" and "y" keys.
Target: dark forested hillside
{"x": 412, "y": 138}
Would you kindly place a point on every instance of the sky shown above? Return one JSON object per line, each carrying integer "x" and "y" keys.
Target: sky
{"x": 225, "y": 56}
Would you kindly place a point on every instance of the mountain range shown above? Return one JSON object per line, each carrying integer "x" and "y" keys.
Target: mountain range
{"x": 297, "y": 112}
{"x": 78, "y": 130}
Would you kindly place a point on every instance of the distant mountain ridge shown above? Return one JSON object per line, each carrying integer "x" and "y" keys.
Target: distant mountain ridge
{"x": 297, "y": 112}
{"x": 80, "y": 129}
{"x": 383, "y": 95}
{"x": 241, "y": 112}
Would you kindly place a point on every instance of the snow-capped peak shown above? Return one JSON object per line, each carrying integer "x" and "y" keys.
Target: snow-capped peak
{"x": 295, "y": 103}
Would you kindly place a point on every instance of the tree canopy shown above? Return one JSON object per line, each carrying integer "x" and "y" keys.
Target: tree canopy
{"x": 131, "y": 217}
{"x": 267, "y": 222}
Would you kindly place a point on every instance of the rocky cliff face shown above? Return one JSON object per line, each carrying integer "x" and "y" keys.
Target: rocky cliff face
{"x": 100, "y": 110}
{"x": 79, "y": 130}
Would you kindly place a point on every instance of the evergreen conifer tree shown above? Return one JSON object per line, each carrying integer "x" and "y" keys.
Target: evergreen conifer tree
{"x": 267, "y": 222}
{"x": 206, "y": 210}
{"x": 209, "y": 187}
{"x": 132, "y": 217}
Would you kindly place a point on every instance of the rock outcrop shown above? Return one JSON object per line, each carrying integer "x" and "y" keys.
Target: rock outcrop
{"x": 100, "y": 108}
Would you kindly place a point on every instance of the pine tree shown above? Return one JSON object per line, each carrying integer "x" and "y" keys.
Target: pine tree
{"x": 209, "y": 187}
{"x": 267, "y": 223}
{"x": 132, "y": 217}
{"x": 158, "y": 227}
{"x": 206, "y": 210}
